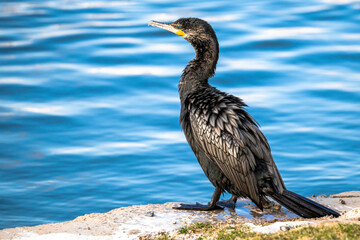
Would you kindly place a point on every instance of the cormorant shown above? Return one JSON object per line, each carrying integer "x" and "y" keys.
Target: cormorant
{"x": 226, "y": 140}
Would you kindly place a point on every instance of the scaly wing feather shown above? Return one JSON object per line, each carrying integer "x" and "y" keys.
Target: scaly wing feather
{"x": 230, "y": 137}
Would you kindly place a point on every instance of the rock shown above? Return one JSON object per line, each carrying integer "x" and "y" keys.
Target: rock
{"x": 150, "y": 214}
{"x": 322, "y": 196}
{"x": 352, "y": 214}
{"x": 134, "y": 231}
{"x": 277, "y": 207}
{"x": 230, "y": 221}
{"x": 140, "y": 222}
{"x": 285, "y": 228}
{"x": 341, "y": 201}
{"x": 350, "y": 194}
{"x": 145, "y": 237}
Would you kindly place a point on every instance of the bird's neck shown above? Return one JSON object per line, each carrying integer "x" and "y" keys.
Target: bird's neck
{"x": 201, "y": 68}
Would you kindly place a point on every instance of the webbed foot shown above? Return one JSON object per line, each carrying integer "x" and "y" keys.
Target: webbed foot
{"x": 202, "y": 207}
{"x": 197, "y": 207}
{"x": 231, "y": 203}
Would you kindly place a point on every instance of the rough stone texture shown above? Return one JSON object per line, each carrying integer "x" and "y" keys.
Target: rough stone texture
{"x": 144, "y": 221}
{"x": 355, "y": 194}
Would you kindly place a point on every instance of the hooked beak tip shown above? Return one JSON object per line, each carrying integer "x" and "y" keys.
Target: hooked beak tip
{"x": 153, "y": 23}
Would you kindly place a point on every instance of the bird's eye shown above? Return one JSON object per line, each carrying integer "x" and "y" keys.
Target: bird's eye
{"x": 178, "y": 26}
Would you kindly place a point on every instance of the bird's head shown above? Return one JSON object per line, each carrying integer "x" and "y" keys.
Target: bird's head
{"x": 194, "y": 30}
{"x": 202, "y": 37}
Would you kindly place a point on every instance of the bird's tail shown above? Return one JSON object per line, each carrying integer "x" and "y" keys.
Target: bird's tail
{"x": 302, "y": 206}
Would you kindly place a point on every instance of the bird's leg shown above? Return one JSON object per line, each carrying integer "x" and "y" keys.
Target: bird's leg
{"x": 231, "y": 203}
{"x": 201, "y": 207}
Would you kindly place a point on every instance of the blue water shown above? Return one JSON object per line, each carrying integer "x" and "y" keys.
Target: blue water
{"x": 89, "y": 104}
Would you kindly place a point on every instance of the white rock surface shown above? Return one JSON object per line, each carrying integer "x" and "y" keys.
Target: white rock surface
{"x": 135, "y": 221}
{"x": 277, "y": 226}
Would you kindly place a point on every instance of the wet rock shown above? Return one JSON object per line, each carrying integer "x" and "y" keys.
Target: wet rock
{"x": 277, "y": 207}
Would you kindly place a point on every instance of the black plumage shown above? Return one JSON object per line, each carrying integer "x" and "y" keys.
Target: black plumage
{"x": 226, "y": 140}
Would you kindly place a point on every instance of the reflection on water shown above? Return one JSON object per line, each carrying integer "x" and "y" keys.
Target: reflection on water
{"x": 89, "y": 104}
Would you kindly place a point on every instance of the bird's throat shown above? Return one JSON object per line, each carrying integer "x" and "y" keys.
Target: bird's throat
{"x": 198, "y": 71}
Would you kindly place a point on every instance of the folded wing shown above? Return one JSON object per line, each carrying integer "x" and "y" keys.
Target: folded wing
{"x": 231, "y": 138}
